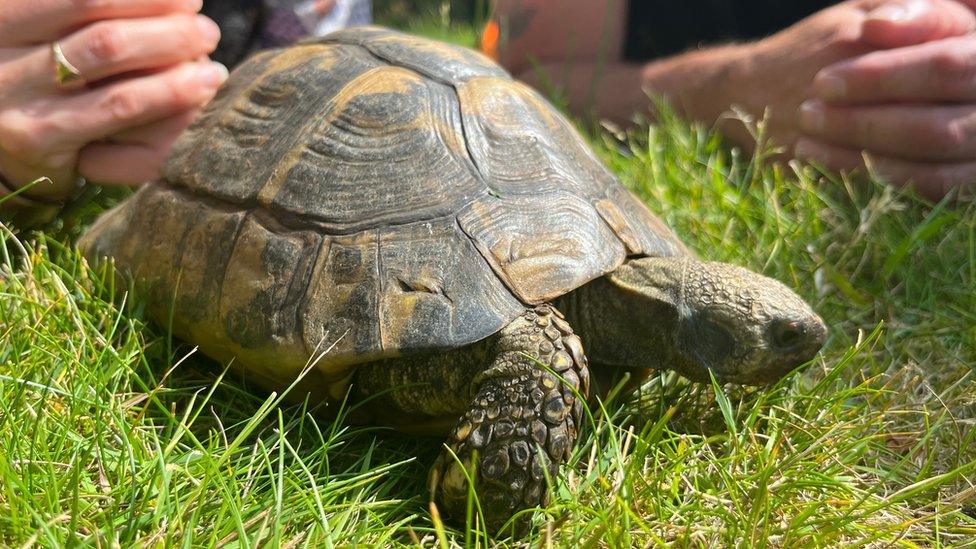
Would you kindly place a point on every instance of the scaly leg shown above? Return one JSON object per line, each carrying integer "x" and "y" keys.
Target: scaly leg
{"x": 522, "y": 423}
{"x": 516, "y": 415}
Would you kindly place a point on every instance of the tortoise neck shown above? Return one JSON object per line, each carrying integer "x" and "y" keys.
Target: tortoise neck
{"x": 616, "y": 329}
{"x": 574, "y": 306}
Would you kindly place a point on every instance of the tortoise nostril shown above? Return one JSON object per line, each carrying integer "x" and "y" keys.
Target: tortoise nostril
{"x": 787, "y": 334}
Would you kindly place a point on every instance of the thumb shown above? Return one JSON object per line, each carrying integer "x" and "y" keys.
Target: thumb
{"x": 908, "y": 22}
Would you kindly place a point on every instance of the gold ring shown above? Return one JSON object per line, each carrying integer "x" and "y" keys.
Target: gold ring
{"x": 66, "y": 75}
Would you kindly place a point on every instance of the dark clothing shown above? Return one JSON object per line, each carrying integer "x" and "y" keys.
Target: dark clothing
{"x": 658, "y": 28}
{"x": 240, "y": 27}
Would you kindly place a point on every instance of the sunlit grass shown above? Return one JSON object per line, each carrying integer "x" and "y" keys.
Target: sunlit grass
{"x": 108, "y": 437}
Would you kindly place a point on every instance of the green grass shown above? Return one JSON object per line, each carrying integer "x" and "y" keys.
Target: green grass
{"x": 452, "y": 21}
{"x": 112, "y": 434}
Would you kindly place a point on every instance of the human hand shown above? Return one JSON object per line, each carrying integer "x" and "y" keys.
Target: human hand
{"x": 777, "y": 73}
{"x": 146, "y": 73}
{"x": 912, "y": 109}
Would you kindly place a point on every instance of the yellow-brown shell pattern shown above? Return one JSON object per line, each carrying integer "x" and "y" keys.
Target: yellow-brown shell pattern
{"x": 366, "y": 195}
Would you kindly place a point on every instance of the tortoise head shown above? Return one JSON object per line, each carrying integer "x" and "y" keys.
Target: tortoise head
{"x": 741, "y": 326}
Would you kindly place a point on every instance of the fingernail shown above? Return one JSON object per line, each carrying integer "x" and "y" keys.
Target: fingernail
{"x": 812, "y": 116}
{"x": 830, "y": 87}
{"x": 897, "y": 12}
{"x": 892, "y": 13}
{"x": 213, "y": 74}
{"x": 193, "y": 5}
{"x": 208, "y": 29}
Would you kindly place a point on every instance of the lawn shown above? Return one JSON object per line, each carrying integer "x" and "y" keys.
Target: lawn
{"x": 113, "y": 434}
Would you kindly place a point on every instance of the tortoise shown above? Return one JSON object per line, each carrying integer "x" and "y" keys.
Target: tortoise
{"x": 396, "y": 221}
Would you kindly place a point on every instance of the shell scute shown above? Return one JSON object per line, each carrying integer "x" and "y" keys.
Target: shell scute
{"x": 237, "y": 145}
{"x": 431, "y": 273}
{"x": 388, "y": 151}
{"x": 522, "y": 145}
{"x": 542, "y": 246}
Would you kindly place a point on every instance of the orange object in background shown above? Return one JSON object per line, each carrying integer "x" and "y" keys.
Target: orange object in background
{"x": 489, "y": 39}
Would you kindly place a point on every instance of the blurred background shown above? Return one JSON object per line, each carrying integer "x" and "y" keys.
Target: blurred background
{"x": 456, "y": 21}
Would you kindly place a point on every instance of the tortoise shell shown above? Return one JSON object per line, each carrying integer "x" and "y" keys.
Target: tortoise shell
{"x": 365, "y": 195}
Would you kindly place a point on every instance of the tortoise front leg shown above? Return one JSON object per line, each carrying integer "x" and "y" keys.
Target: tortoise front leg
{"x": 522, "y": 423}
{"x": 509, "y": 403}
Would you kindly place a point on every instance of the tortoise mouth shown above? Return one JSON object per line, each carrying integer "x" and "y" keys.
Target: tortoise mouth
{"x": 756, "y": 368}
{"x": 768, "y": 375}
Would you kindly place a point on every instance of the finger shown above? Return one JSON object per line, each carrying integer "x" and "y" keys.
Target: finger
{"x": 136, "y": 102}
{"x": 25, "y": 22}
{"x": 111, "y": 48}
{"x": 161, "y": 131}
{"x": 66, "y": 123}
{"x": 909, "y": 22}
{"x": 133, "y": 156}
{"x": 937, "y": 71}
{"x": 121, "y": 164}
{"x": 931, "y": 180}
{"x": 916, "y": 132}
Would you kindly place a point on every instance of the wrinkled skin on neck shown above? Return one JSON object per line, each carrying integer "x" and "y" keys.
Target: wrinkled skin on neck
{"x": 695, "y": 317}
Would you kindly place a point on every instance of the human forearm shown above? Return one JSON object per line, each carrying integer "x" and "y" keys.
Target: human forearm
{"x": 703, "y": 84}
{"x": 698, "y": 83}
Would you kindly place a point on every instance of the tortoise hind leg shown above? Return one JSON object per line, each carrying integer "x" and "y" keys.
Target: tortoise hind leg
{"x": 519, "y": 408}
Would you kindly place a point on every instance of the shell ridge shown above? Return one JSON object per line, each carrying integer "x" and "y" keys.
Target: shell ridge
{"x": 465, "y": 138}
{"x": 468, "y": 157}
{"x": 233, "y": 246}
{"x": 381, "y": 291}
{"x": 392, "y": 63}
{"x": 485, "y": 254}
